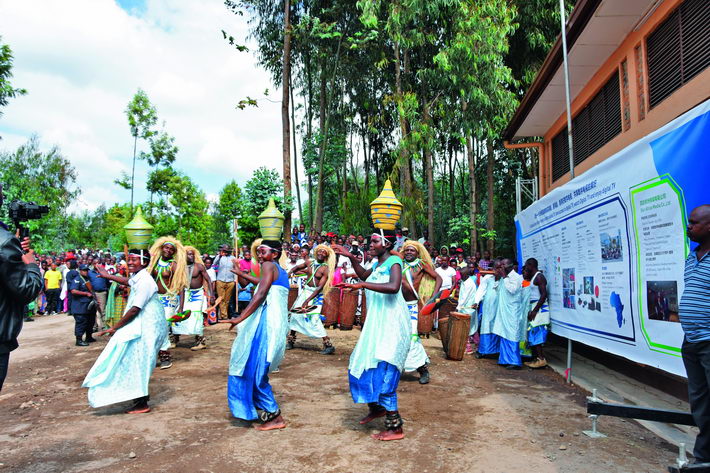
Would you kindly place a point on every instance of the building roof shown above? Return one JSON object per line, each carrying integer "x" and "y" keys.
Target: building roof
{"x": 595, "y": 29}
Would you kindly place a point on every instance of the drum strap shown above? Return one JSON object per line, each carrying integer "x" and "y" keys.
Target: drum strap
{"x": 408, "y": 274}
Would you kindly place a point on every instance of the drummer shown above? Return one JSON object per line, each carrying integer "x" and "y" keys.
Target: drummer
{"x": 419, "y": 282}
{"x": 306, "y": 316}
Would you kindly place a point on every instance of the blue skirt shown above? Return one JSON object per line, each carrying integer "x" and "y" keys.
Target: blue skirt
{"x": 377, "y": 385}
{"x": 251, "y": 390}
{"x": 489, "y": 344}
{"x": 537, "y": 335}
{"x": 509, "y": 352}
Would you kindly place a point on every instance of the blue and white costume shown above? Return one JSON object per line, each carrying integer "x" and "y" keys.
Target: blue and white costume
{"x": 122, "y": 370}
{"x": 539, "y": 326}
{"x": 487, "y": 292}
{"x": 417, "y": 356}
{"x": 507, "y": 323}
{"x": 310, "y": 323}
{"x": 379, "y": 356}
{"x": 195, "y": 302}
{"x": 257, "y": 351}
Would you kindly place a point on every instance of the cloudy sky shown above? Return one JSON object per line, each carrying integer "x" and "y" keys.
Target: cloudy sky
{"x": 82, "y": 60}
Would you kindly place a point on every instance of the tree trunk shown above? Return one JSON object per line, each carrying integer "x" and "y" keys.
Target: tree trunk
{"x": 133, "y": 171}
{"x": 295, "y": 156}
{"x": 429, "y": 177}
{"x": 473, "y": 207}
{"x": 452, "y": 198}
{"x": 405, "y": 177}
{"x": 490, "y": 220}
{"x": 321, "y": 152}
{"x": 285, "y": 122}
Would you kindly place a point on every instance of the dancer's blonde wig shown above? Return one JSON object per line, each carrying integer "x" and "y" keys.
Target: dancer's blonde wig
{"x": 198, "y": 257}
{"x": 330, "y": 262}
{"x": 178, "y": 282}
{"x": 427, "y": 283}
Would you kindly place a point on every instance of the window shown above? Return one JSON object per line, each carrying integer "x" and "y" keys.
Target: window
{"x": 678, "y": 50}
{"x": 593, "y": 126}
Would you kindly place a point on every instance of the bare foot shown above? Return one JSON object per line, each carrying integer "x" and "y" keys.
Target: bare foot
{"x": 385, "y": 435}
{"x": 273, "y": 424}
{"x": 372, "y": 416}
{"x": 144, "y": 409}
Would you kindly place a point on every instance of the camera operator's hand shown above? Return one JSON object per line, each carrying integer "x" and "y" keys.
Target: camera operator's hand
{"x": 29, "y": 254}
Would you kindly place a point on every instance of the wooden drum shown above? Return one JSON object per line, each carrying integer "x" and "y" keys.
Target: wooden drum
{"x": 458, "y": 328}
{"x": 348, "y": 307}
{"x": 446, "y": 308}
{"x": 425, "y": 323}
{"x": 292, "y": 295}
{"x": 444, "y": 333}
{"x": 331, "y": 302}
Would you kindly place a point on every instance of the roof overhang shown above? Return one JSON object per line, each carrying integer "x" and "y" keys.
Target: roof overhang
{"x": 595, "y": 29}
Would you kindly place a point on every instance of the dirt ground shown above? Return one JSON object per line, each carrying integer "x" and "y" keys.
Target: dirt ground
{"x": 473, "y": 417}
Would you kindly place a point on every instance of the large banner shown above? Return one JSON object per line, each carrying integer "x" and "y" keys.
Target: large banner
{"x": 612, "y": 243}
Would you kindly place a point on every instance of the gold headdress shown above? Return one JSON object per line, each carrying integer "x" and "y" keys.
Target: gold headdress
{"x": 386, "y": 210}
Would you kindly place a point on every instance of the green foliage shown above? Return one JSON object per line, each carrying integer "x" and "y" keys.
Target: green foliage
{"x": 264, "y": 184}
{"x": 7, "y": 90}
{"x": 44, "y": 177}
{"x": 162, "y": 150}
{"x": 225, "y": 211}
{"x": 142, "y": 116}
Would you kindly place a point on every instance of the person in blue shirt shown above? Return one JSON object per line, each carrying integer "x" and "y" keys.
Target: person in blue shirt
{"x": 99, "y": 287}
{"x": 244, "y": 297}
{"x": 694, "y": 312}
{"x": 79, "y": 305}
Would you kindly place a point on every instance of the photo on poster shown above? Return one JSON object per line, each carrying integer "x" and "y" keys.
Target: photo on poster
{"x": 611, "y": 247}
{"x": 568, "y": 288}
{"x": 662, "y": 300}
{"x": 588, "y": 284}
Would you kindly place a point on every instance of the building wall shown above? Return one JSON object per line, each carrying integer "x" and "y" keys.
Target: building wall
{"x": 637, "y": 126}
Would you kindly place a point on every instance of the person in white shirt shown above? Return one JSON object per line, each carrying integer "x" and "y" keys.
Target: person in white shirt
{"x": 447, "y": 274}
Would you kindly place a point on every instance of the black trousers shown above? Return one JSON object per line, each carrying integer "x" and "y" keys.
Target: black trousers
{"x": 696, "y": 358}
{"x": 53, "y": 300}
{"x": 4, "y": 361}
{"x": 83, "y": 324}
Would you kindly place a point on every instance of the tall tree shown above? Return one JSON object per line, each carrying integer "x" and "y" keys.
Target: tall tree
{"x": 285, "y": 96}
{"x": 7, "y": 90}
{"x": 142, "y": 117}
{"x": 45, "y": 177}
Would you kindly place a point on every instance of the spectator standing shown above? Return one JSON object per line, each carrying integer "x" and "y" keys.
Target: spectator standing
{"x": 225, "y": 279}
{"x": 694, "y": 312}
{"x": 52, "y": 288}
{"x": 447, "y": 273}
{"x": 79, "y": 305}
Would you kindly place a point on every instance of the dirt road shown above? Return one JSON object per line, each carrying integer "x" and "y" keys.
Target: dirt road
{"x": 473, "y": 417}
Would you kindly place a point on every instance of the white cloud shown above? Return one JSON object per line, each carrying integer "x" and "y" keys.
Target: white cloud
{"x": 82, "y": 61}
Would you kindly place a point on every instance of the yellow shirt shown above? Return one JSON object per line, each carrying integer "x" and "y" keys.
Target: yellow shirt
{"x": 53, "y": 277}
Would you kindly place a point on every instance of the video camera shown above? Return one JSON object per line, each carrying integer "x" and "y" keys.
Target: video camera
{"x": 23, "y": 211}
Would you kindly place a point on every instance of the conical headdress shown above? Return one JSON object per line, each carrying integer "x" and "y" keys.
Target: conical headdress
{"x": 386, "y": 210}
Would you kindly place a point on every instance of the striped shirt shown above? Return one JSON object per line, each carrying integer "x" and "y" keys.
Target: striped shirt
{"x": 694, "y": 309}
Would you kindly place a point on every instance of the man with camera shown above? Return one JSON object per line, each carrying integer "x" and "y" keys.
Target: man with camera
{"x": 20, "y": 283}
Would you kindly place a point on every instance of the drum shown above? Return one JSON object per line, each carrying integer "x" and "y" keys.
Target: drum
{"x": 425, "y": 322}
{"x": 458, "y": 334}
{"x": 363, "y": 309}
{"x": 446, "y": 308}
{"x": 331, "y": 302}
{"x": 347, "y": 309}
{"x": 292, "y": 295}
{"x": 444, "y": 333}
